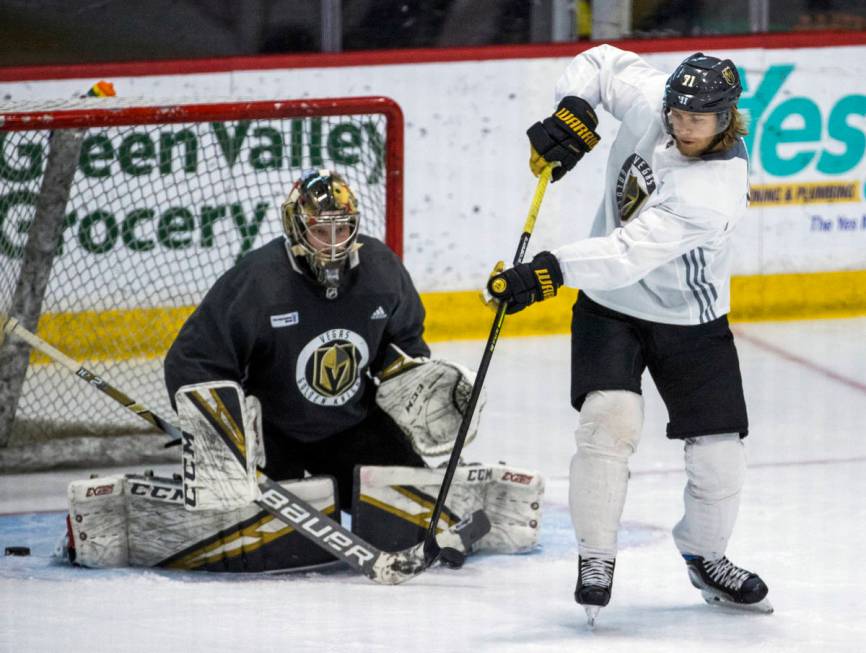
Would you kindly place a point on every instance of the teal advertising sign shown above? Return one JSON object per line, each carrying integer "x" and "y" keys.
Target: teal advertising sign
{"x": 829, "y": 139}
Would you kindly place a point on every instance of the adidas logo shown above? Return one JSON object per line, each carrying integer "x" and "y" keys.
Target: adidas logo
{"x": 379, "y": 314}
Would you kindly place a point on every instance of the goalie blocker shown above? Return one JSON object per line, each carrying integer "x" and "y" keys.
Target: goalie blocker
{"x": 221, "y": 445}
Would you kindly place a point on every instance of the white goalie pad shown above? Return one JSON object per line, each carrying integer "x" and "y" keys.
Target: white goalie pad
{"x": 97, "y": 521}
{"x": 141, "y": 521}
{"x": 221, "y": 445}
{"x": 427, "y": 400}
{"x": 512, "y": 499}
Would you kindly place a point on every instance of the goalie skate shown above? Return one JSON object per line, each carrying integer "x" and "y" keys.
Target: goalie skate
{"x": 724, "y": 584}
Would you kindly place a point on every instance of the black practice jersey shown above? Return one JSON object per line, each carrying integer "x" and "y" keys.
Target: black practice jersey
{"x": 307, "y": 358}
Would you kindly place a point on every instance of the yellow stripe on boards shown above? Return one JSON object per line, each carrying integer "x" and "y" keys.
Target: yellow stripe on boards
{"x": 117, "y": 334}
{"x": 810, "y": 296}
{"x": 461, "y": 315}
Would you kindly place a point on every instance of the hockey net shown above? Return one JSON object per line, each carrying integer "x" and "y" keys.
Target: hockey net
{"x": 117, "y": 216}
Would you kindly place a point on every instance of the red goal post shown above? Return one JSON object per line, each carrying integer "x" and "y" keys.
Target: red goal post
{"x": 117, "y": 215}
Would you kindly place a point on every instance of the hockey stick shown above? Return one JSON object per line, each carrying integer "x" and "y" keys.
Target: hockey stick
{"x": 379, "y": 566}
{"x": 431, "y": 547}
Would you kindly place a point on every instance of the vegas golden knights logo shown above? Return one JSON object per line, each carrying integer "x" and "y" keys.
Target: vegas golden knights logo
{"x": 634, "y": 184}
{"x": 728, "y": 76}
{"x": 335, "y": 368}
{"x": 330, "y": 370}
{"x": 632, "y": 197}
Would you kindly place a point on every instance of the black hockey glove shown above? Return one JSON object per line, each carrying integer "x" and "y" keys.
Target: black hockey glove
{"x": 526, "y": 283}
{"x": 565, "y": 137}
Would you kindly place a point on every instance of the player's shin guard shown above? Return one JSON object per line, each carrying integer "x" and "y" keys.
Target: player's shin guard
{"x": 610, "y": 424}
{"x": 715, "y": 466}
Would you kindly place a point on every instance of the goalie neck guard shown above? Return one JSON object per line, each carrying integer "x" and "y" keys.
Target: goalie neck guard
{"x": 321, "y": 222}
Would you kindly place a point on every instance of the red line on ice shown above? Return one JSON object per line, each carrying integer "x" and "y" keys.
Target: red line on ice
{"x": 794, "y": 358}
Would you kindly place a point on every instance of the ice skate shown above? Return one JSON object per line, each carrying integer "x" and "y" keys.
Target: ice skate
{"x": 725, "y": 584}
{"x": 594, "y": 580}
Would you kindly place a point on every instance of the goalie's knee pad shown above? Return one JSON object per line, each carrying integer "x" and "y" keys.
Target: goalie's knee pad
{"x": 392, "y": 505}
{"x": 611, "y": 422}
{"x": 141, "y": 521}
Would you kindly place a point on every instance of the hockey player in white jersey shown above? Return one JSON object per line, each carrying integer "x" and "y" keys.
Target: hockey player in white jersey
{"x": 654, "y": 279}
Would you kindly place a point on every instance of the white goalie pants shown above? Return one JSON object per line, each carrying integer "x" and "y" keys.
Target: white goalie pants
{"x": 609, "y": 432}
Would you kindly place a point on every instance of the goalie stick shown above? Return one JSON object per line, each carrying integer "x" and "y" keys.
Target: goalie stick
{"x": 431, "y": 547}
{"x": 379, "y": 566}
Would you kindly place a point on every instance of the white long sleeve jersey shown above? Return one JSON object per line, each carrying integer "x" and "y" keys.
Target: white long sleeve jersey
{"x": 660, "y": 246}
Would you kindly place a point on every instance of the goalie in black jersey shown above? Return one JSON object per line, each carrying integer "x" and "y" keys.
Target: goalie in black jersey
{"x": 307, "y": 360}
{"x": 302, "y": 324}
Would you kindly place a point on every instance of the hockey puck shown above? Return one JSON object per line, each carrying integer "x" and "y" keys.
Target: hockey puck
{"x": 18, "y": 550}
{"x": 451, "y": 558}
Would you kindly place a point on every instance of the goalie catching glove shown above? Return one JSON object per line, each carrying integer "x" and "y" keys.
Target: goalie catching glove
{"x": 564, "y": 137}
{"x": 427, "y": 400}
{"x": 526, "y": 283}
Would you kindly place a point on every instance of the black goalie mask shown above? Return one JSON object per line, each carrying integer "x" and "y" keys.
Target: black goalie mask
{"x": 320, "y": 219}
{"x": 703, "y": 84}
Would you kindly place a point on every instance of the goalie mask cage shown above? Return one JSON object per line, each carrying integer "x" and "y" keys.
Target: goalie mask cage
{"x": 117, "y": 216}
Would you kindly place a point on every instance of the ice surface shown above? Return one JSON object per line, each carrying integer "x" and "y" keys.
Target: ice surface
{"x": 802, "y": 525}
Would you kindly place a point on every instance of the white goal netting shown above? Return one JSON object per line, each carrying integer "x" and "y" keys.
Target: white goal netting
{"x": 117, "y": 216}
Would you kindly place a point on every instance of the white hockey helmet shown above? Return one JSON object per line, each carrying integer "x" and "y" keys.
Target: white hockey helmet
{"x": 321, "y": 221}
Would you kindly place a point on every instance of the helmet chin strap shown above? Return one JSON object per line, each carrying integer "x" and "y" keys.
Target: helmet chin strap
{"x": 716, "y": 140}
{"x": 718, "y": 137}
